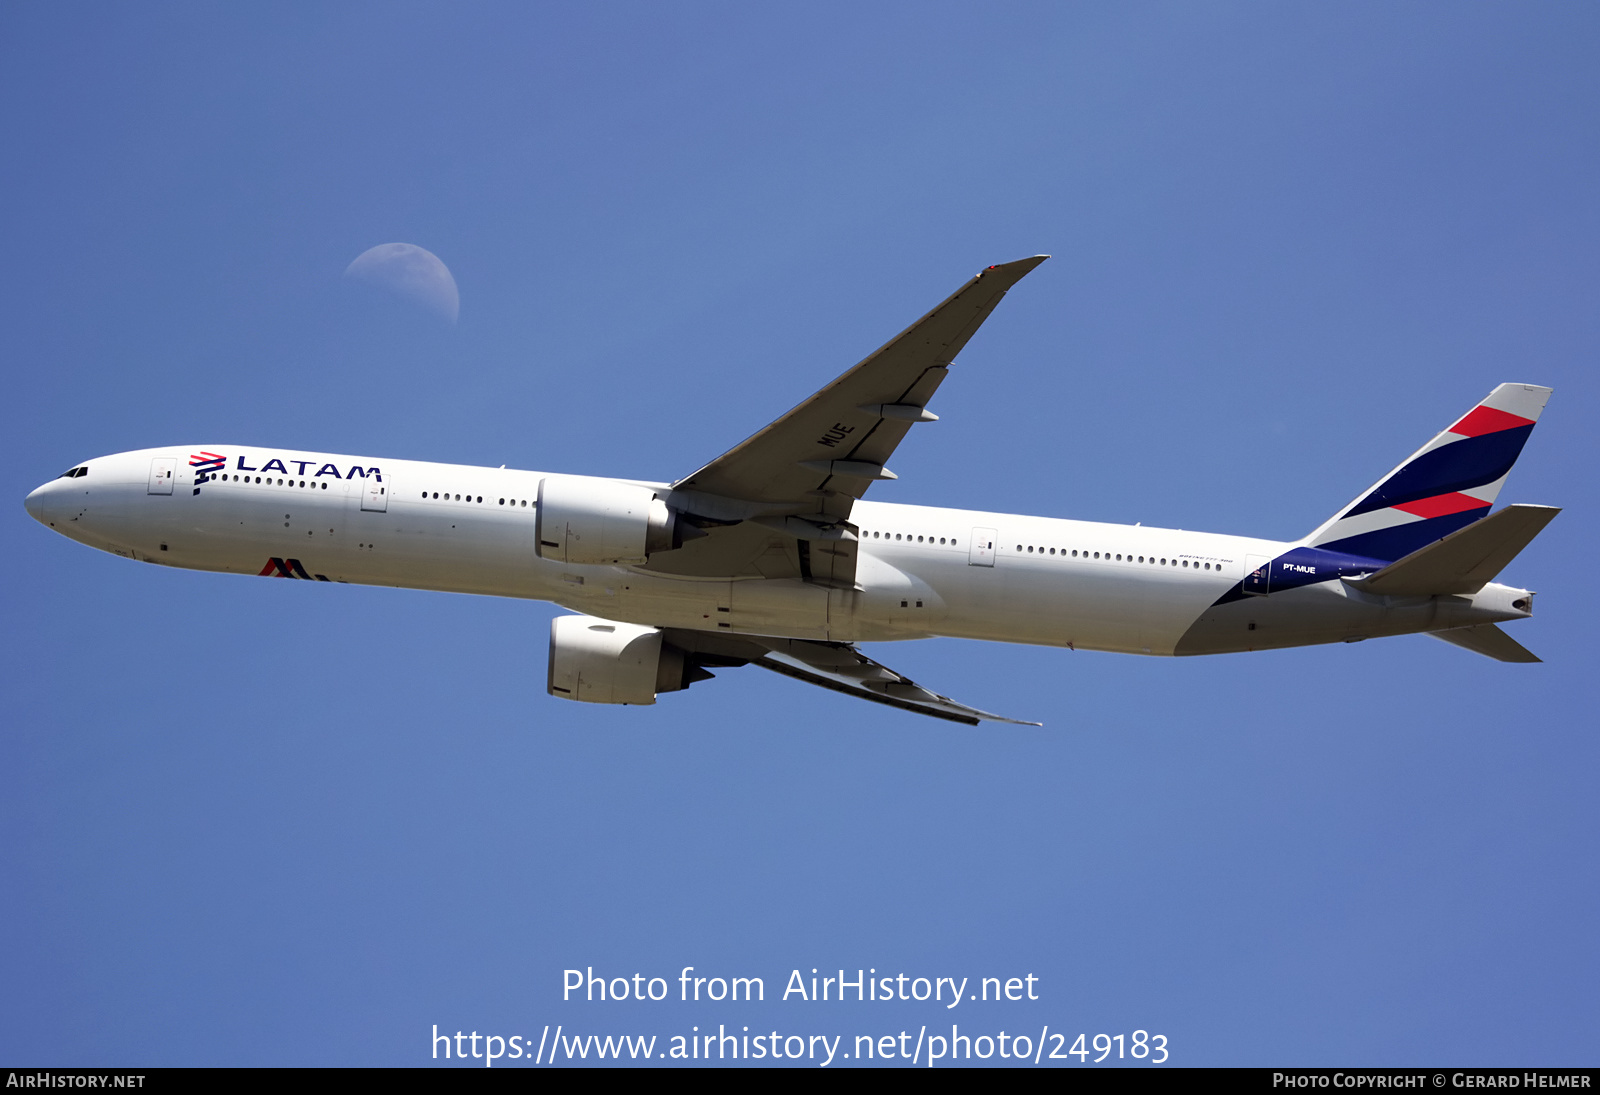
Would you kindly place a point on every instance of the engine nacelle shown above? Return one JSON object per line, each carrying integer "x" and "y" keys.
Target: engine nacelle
{"x": 600, "y": 661}
{"x": 593, "y": 521}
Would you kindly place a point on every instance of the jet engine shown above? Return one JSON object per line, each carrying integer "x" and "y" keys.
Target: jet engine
{"x": 600, "y": 661}
{"x": 596, "y": 521}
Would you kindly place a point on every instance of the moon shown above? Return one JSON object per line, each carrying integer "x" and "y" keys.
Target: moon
{"x": 410, "y": 272}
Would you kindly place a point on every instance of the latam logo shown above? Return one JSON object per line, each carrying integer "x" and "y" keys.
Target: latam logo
{"x": 210, "y": 465}
{"x": 288, "y": 568}
{"x": 205, "y": 465}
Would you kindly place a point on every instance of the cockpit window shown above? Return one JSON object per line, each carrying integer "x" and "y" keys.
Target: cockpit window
{"x": 74, "y": 473}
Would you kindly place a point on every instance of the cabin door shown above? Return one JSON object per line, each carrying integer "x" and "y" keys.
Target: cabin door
{"x": 162, "y": 470}
{"x": 1257, "y": 575}
{"x": 981, "y": 552}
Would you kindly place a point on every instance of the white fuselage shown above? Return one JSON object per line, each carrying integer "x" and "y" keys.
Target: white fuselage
{"x": 922, "y": 571}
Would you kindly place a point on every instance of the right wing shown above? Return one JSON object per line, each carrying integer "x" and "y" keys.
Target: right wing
{"x": 832, "y": 665}
{"x": 778, "y": 503}
{"x": 837, "y": 442}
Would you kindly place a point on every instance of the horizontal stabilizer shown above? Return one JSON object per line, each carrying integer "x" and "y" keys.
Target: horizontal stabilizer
{"x": 1488, "y": 640}
{"x": 1466, "y": 560}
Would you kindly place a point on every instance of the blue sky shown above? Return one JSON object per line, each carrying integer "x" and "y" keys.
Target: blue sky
{"x": 269, "y": 823}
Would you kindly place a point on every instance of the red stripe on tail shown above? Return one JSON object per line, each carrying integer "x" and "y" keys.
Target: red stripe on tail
{"x": 1441, "y": 505}
{"x": 1481, "y": 420}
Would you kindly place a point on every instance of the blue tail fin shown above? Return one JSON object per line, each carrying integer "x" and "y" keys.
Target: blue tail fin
{"x": 1447, "y": 484}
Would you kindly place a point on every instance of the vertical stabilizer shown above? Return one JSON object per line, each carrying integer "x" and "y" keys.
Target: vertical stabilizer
{"x": 1446, "y": 485}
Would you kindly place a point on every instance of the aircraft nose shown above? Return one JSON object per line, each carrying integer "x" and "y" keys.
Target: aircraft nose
{"x": 35, "y": 503}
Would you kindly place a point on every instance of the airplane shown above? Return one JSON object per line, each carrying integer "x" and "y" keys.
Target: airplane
{"x": 770, "y": 555}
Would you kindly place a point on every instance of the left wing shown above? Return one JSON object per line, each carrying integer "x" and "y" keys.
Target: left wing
{"x": 837, "y": 666}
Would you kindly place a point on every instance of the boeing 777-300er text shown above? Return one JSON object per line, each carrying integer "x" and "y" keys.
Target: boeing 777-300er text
{"x": 769, "y": 555}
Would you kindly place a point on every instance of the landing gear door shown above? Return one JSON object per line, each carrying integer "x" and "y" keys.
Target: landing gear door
{"x": 374, "y": 496}
{"x": 981, "y": 552}
{"x": 162, "y": 471}
{"x": 1257, "y": 575}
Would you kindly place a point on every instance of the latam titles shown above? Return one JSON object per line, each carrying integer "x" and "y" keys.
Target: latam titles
{"x": 277, "y": 465}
